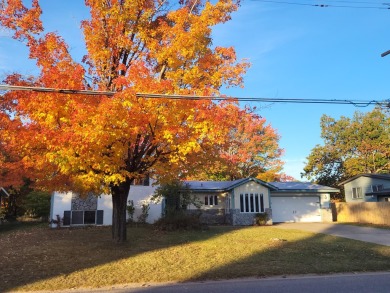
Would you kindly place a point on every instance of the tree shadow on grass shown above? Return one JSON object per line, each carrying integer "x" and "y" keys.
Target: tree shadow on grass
{"x": 313, "y": 254}
{"x": 48, "y": 259}
{"x": 33, "y": 255}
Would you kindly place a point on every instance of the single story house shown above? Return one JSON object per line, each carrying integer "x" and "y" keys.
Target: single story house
{"x": 225, "y": 202}
{"x": 370, "y": 187}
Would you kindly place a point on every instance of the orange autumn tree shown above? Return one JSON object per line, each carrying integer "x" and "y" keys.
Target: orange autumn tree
{"x": 99, "y": 143}
{"x": 251, "y": 149}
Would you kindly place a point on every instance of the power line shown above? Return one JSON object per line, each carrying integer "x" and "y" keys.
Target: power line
{"x": 356, "y": 103}
{"x": 324, "y": 5}
{"x": 53, "y": 90}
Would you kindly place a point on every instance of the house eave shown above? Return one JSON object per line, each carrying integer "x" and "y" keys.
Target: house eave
{"x": 370, "y": 175}
{"x": 306, "y": 191}
{"x": 270, "y": 186}
{"x": 209, "y": 190}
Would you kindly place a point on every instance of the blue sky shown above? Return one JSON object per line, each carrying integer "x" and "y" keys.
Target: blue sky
{"x": 295, "y": 51}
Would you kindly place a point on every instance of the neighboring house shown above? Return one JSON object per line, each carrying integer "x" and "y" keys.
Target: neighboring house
{"x": 367, "y": 188}
{"x": 3, "y": 194}
{"x": 222, "y": 202}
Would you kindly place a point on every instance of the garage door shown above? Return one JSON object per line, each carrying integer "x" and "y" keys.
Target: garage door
{"x": 296, "y": 209}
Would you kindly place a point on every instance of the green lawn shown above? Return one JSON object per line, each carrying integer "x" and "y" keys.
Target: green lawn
{"x": 39, "y": 258}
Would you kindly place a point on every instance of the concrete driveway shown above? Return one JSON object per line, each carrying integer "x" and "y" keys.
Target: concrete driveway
{"x": 367, "y": 234}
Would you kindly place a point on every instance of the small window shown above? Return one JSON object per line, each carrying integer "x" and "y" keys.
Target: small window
{"x": 66, "y": 219}
{"x": 357, "y": 192}
{"x": 77, "y": 217}
{"x": 262, "y": 203}
{"x": 99, "y": 217}
{"x": 376, "y": 188}
{"x": 89, "y": 217}
{"x": 211, "y": 200}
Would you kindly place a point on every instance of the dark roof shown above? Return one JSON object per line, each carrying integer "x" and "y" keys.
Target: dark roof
{"x": 221, "y": 186}
{"x": 371, "y": 175}
{"x": 302, "y": 186}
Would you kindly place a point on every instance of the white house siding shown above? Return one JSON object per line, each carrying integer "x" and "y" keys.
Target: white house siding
{"x": 105, "y": 203}
{"x": 60, "y": 202}
{"x": 142, "y": 194}
{"x": 366, "y": 184}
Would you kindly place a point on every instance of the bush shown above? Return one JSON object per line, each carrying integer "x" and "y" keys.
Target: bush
{"x": 2, "y": 214}
{"x": 179, "y": 221}
{"x": 144, "y": 213}
{"x": 130, "y": 211}
{"x": 37, "y": 204}
{"x": 260, "y": 219}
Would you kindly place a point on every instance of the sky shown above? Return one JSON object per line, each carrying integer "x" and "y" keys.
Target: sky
{"x": 295, "y": 51}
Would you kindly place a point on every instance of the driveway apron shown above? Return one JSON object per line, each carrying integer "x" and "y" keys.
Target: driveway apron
{"x": 367, "y": 234}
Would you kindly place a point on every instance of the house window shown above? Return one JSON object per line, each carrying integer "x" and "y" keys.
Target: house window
{"x": 387, "y": 199}
{"x": 141, "y": 181}
{"x": 357, "y": 192}
{"x": 211, "y": 200}
{"x": 251, "y": 203}
{"x": 83, "y": 218}
{"x": 376, "y": 188}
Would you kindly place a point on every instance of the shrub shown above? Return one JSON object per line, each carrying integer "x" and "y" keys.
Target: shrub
{"x": 180, "y": 221}
{"x": 260, "y": 219}
{"x": 37, "y": 204}
{"x": 177, "y": 197}
{"x": 2, "y": 214}
{"x": 144, "y": 213}
{"x": 130, "y": 210}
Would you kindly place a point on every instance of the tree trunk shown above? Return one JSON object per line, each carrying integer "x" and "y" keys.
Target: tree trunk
{"x": 119, "y": 203}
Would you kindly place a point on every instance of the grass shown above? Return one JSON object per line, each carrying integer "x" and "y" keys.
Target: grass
{"x": 39, "y": 258}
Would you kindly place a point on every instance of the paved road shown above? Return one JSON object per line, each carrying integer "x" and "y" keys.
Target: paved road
{"x": 343, "y": 283}
{"x": 367, "y": 234}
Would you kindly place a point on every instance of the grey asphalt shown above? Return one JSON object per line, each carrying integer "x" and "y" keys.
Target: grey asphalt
{"x": 341, "y": 283}
{"x": 366, "y": 234}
